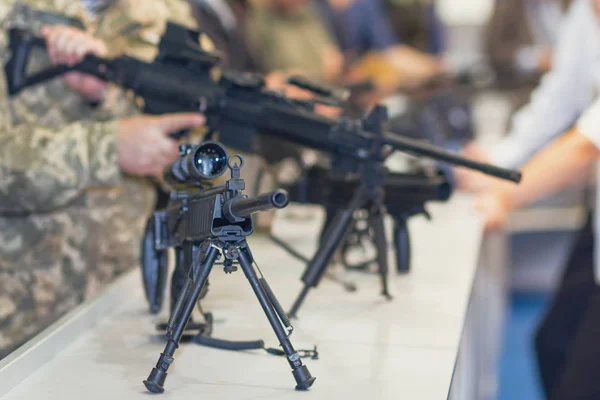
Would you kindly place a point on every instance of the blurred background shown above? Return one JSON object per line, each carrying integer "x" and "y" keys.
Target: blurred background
{"x": 451, "y": 72}
{"x": 540, "y": 236}
{"x": 490, "y": 55}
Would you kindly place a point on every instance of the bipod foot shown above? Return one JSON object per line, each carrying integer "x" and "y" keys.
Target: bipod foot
{"x": 304, "y": 380}
{"x": 156, "y": 380}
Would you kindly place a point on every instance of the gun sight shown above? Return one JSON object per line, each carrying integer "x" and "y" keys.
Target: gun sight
{"x": 204, "y": 162}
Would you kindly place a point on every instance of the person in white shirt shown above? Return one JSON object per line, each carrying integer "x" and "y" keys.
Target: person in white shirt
{"x": 520, "y": 37}
{"x": 574, "y": 155}
{"x": 563, "y": 94}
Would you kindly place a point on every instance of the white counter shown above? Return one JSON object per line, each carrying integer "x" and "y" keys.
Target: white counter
{"x": 369, "y": 348}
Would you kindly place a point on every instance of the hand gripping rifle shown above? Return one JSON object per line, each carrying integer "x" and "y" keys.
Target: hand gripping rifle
{"x": 238, "y": 107}
{"x": 207, "y": 225}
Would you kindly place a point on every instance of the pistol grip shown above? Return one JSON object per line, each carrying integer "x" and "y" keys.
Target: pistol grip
{"x": 402, "y": 245}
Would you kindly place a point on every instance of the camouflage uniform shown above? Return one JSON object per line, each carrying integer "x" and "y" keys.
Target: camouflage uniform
{"x": 289, "y": 42}
{"x": 69, "y": 220}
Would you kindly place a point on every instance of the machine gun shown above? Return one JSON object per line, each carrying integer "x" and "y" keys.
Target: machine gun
{"x": 203, "y": 225}
{"x": 406, "y": 196}
{"x": 238, "y": 107}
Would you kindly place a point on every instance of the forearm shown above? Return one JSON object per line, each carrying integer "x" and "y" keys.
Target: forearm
{"x": 563, "y": 94}
{"x": 573, "y": 155}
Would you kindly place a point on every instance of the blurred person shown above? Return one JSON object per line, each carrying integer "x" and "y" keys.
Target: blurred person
{"x": 228, "y": 25}
{"x": 243, "y": 34}
{"x": 521, "y": 36}
{"x": 372, "y": 51}
{"x": 567, "y": 342}
{"x": 359, "y": 26}
{"x": 73, "y": 200}
{"x": 562, "y": 95}
{"x": 289, "y": 35}
{"x": 519, "y": 42}
{"x": 417, "y": 23}
{"x": 225, "y": 22}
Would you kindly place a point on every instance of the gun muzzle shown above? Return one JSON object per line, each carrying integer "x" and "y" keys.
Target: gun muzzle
{"x": 239, "y": 209}
{"x": 204, "y": 162}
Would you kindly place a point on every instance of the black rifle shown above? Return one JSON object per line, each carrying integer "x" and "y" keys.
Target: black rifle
{"x": 239, "y": 107}
{"x": 406, "y": 196}
{"x": 207, "y": 224}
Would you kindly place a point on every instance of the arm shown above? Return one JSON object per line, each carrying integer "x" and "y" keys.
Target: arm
{"x": 559, "y": 99}
{"x": 562, "y": 95}
{"x": 578, "y": 151}
{"x": 42, "y": 169}
{"x": 544, "y": 176}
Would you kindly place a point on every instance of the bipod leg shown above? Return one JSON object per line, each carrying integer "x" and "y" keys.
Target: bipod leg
{"x": 182, "y": 313}
{"x": 332, "y": 240}
{"x": 276, "y": 318}
{"x": 180, "y": 277}
{"x": 376, "y": 220}
{"x": 181, "y": 274}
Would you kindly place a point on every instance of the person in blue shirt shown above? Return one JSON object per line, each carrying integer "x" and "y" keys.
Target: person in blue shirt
{"x": 373, "y": 53}
{"x": 418, "y": 24}
{"x": 359, "y": 26}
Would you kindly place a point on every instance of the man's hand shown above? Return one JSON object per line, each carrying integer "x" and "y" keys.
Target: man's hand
{"x": 68, "y": 45}
{"x": 143, "y": 143}
{"x": 494, "y": 206}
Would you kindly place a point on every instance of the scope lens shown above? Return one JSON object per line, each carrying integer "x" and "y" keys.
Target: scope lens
{"x": 210, "y": 160}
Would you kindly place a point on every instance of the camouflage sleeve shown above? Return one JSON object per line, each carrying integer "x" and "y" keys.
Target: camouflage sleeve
{"x": 42, "y": 169}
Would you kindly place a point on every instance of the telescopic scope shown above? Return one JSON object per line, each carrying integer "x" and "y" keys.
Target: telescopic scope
{"x": 204, "y": 162}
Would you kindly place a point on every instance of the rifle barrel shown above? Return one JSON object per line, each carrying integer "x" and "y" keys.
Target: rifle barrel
{"x": 245, "y": 207}
{"x": 426, "y": 150}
